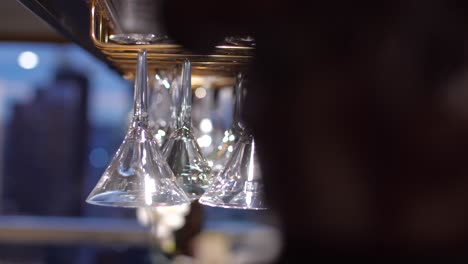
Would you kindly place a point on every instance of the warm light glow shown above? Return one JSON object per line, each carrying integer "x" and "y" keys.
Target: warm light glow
{"x": 251, "y": 171}
{"x": 204, "y": 141}
{"x": 166, "y": 84}
{"x": 28, "y": 60}
{"x": 179, "y": 209}
{"x": 248, "y": 198}
{"x": 161, "y": 132}
{"x": 163, "y": 231}
{"x": 200, "y": 92}
{"x": 206, "y": 126}
{"x": 144, "y": 158}
{"x": 173, "y": 221}
{"x": 150, "y": 188}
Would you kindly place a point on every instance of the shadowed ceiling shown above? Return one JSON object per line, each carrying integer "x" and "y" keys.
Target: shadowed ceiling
{"x": 18, "y": 23}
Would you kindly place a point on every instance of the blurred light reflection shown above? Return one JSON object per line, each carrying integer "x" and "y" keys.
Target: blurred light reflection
{"x": 28, "y": 60}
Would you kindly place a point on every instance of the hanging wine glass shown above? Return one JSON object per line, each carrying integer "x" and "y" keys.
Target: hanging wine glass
{"x": 181, "y": 149}
{"x": 239, "y": 185}
{"x": 224, "y": 150}
{"x": 132, "y": 22}
{"x": 246, "y": 41}
{"x": 140, "y": 38}
{"x": 138, "y": 175}
{"x": 163, "y": 79}
{"x": 206, "y": 128}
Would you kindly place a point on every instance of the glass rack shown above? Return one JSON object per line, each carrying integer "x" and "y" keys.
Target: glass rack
{"x": 224, "y": 61}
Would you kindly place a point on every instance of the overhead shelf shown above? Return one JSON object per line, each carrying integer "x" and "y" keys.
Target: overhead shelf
{"x": 90, "y": 25}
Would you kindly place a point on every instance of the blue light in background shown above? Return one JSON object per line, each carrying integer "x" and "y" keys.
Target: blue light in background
{"x": 98, "y": 157}
{"x": 28, "y": 60}
{"x": 109, "y": 93}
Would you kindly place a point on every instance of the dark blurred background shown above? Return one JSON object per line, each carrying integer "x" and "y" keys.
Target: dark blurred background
{"x": 371, "y": 96}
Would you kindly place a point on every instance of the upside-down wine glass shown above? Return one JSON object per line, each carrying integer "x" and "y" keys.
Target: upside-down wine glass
{"x": 224, "y": 150}
{"x": 181, "y": 150}
{"x": 138, "y": 175}
{"x": 239, "y": 185}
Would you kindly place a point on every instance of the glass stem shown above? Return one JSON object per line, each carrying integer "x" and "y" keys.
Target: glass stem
{"x": 175, "y": 98}
{"x": 237, "y": 124}
{"x": 185, "y": 106}
{"x": 140, "y": 107}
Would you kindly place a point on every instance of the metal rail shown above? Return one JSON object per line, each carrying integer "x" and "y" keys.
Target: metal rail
{"x": 68, "y": 230}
